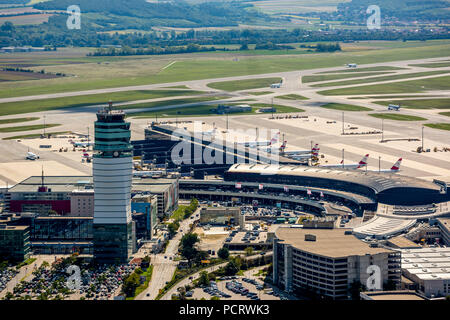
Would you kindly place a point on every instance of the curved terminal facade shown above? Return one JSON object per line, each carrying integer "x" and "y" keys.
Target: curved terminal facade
{"x": 390, "y": 189}
{"x": 112, "y": 171}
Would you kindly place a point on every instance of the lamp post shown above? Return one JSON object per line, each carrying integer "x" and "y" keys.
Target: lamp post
{"x": 379, "y": 164}
{"x": 88, "y": 139}
{"x": 343, "y": 123}
{"x": 44, "y": 124}
{"x": 423, "y": 127}
{"x": 343, "y": 158}
{"x": 382, "y": 130}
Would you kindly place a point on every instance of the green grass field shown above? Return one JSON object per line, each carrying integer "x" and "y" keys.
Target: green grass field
{"x": 344, "y": 107}
{"x": 244, "y": 84}
{"x": 330, "y": 77}
{"x": 447, "y": 114}
{"x": 441, "y": 126}
{"x": 87, "y": 100}
{"x": 432, "y": 65}
{"x": 35, "y": 135}
{"x": 16, "y": 120}
{"x": 292, "y": 97}
{"x": 206, "y": 110}
{"x": 370, "y": 69}
{"x": 126, "y": 71}
{"x": 413, "y": 86}
{"x": 28, "y": 128}
{"x": 171, "y": 102}
{"x": 259, "y": 93}
{"x": 396, "y": 117}
{"x": 280, "y": 108}
{"x": 419, "y": 103}
{"x": 378, "y": 79}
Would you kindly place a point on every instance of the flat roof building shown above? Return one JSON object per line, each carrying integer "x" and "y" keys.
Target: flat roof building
{"x": 14, "y": 243}
{"x": 329, "y": 262}
{"x": 429, "y": 268}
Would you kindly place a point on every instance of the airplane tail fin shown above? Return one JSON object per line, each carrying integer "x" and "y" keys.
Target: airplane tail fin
{"x": 275, "y": 138}
{"x": 363, "y": 161}
{"x": 315, "y": 150}
{"x": 396, "y": 166}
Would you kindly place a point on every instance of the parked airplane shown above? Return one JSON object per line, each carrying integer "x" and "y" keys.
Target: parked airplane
{"x": 394, "y": 107}
{"x": 314, "y": 151}
{"x": 31, "y": 156}
{"x": 255, "y": 144}
{"x": 354, "y": 166}
{"x": 394, "y": 169}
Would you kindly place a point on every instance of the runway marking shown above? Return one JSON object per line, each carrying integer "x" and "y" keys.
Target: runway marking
{"x": 170, "y": 64}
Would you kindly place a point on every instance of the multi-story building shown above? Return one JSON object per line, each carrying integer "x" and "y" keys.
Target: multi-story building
{"x": 329, "y": 262}
{"x": 444, "y": 226}
{"x": 112, "y": 171}
{"x": 144, "y": 208}
{"x": 14, "y": 243}
{"x": 82, "y": 203}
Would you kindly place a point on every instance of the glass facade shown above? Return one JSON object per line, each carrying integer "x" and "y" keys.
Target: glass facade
{"x": 113, "y": 242}
{"x": 62, "y": 229}
{"x": 14, "y": 243}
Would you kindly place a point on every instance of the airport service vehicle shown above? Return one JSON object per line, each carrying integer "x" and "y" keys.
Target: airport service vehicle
{"x": 260, "y": 143}
{"x": 352, "y": 65}
{"x": 394, "y": 107}
{"x": 394, "y": 169}
{"x": 275, "y": 85}
{"x": 31, "y": 156}
{"x": 361, "y": 164}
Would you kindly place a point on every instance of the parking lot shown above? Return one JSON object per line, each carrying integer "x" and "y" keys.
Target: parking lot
{"x": 247, "y": 287}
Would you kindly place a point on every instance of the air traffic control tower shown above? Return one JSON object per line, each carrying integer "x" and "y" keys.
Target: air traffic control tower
{"x": 112, "y": 171}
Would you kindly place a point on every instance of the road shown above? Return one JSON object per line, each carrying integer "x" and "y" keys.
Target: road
{"x": 163, "y": 264}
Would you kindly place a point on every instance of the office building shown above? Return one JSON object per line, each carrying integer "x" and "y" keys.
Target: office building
{"x": 14, "y": 243}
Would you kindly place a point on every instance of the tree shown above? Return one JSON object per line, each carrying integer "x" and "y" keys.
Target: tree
{"x": 173, "y": 227}
{"x": 223, "y": 253}
{"x": 204, "y": 278}
{"x": 130, "y": 284}
{"x": 248, "y": 251}
{"x": 189, "y": 240}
